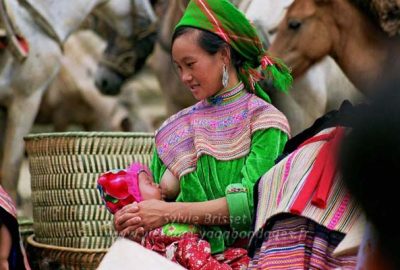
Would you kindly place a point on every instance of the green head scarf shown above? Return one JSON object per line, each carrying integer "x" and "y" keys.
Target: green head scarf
{"x": 223, "y": 19}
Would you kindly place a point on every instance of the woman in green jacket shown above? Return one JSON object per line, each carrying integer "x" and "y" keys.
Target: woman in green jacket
{"x": 218, "y": 148}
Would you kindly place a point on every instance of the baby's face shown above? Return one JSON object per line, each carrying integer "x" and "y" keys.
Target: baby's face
{"x": 148, "y": 189}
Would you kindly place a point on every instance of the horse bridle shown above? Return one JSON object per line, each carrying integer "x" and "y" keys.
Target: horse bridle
{"x": 12, "y": 39}
{"x": 114, "y": 62}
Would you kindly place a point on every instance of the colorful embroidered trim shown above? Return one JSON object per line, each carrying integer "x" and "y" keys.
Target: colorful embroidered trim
{"x": 223, "y": 131}
{"x": 286, "y": 181}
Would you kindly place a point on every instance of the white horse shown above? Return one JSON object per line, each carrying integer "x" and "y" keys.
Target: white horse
{"x": 72, "y": 97}
{"x": 45, "y": 25}
{"x": 321, "y": 89}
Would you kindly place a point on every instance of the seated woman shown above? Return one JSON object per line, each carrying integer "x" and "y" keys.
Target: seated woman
{"x": 219, "y": 147}
{"x": 12, "y": 253}
{"x": 304, "y": 210}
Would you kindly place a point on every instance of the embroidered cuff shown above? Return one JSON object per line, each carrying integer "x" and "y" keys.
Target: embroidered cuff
{"x": 240, "y": 217}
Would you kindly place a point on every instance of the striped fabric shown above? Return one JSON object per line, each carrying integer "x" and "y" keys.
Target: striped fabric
{"x": 221, "y": 129}
{"x": 299, "y": 243}
{"x": 7, "y": 203}
{"x": 280, "y": 187}
{"x": 17, "y": 258}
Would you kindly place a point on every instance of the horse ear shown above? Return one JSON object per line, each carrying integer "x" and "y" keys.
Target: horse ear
{"x": 287, "y": 3}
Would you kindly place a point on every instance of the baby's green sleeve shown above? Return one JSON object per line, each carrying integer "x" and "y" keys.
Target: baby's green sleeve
{"x": 179, "y": 229}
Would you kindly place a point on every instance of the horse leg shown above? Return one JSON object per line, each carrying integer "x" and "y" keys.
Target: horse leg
{"x": 21, "y": 114}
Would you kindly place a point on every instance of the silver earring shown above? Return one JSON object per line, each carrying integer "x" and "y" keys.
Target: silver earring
{"x": 225, "y": 76}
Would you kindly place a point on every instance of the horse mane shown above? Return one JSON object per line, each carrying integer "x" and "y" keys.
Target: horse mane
{"x": 384, "y": 13}
{"x": 367, "y": 8}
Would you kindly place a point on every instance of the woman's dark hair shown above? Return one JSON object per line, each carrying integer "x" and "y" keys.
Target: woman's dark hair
{"x": 211, "y": 43}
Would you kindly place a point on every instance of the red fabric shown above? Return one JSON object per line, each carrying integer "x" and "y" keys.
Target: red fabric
{"x": 329, "y": 170}
{"x": 319, "y": 181}
{"x": 3, "y": 45}
{"x": 194, "y": 253}
{"x": 24, "y": 44}
{"x": 115, "y": 184}
{"x": 236, "y": 258}
{"x": 157, "y": 241}
{"x": 322, "y": 137}
{"x": 121, "y": 187}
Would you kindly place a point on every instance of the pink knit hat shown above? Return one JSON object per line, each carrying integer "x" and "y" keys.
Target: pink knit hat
{"x": 121, "y": 187}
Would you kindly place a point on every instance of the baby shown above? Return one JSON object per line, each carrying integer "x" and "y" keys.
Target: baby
{"x": 176, "y": 241}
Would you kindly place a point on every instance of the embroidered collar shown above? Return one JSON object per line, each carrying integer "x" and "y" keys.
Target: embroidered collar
{"x": 227, "y": 96}
{"x": 222, "y": 131}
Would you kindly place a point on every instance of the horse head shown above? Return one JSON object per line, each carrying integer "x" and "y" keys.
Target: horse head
{"x": 343, "y": 29}
{"x": 305, "y": 35}
{"x": 129, "y": 42}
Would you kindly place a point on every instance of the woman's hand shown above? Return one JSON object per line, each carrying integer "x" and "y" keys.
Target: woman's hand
{"x": 153, "y": 214}
{"x": 137, "y": 218}
{"x": 126, "y": 222}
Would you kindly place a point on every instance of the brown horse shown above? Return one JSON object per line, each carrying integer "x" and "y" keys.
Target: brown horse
{"x": 313, "y": 29}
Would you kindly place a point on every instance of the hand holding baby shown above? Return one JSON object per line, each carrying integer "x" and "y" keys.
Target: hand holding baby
{"x": 135, "y": 200}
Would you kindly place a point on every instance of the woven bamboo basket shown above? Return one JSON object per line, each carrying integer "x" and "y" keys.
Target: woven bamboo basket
{"x": 49, "y": 257}
{"x": 25, "y": 228}
{"x": 64, "y": 167}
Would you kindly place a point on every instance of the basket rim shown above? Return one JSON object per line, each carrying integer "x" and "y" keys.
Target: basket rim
{"x": 32, "y": 242}
{"x": 73, "y": 134}
{"x": 24, "y": 221}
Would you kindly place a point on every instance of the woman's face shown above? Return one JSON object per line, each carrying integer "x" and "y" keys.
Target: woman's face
{"x": 148, "y": 189}
{"x": 198, "y": 70}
